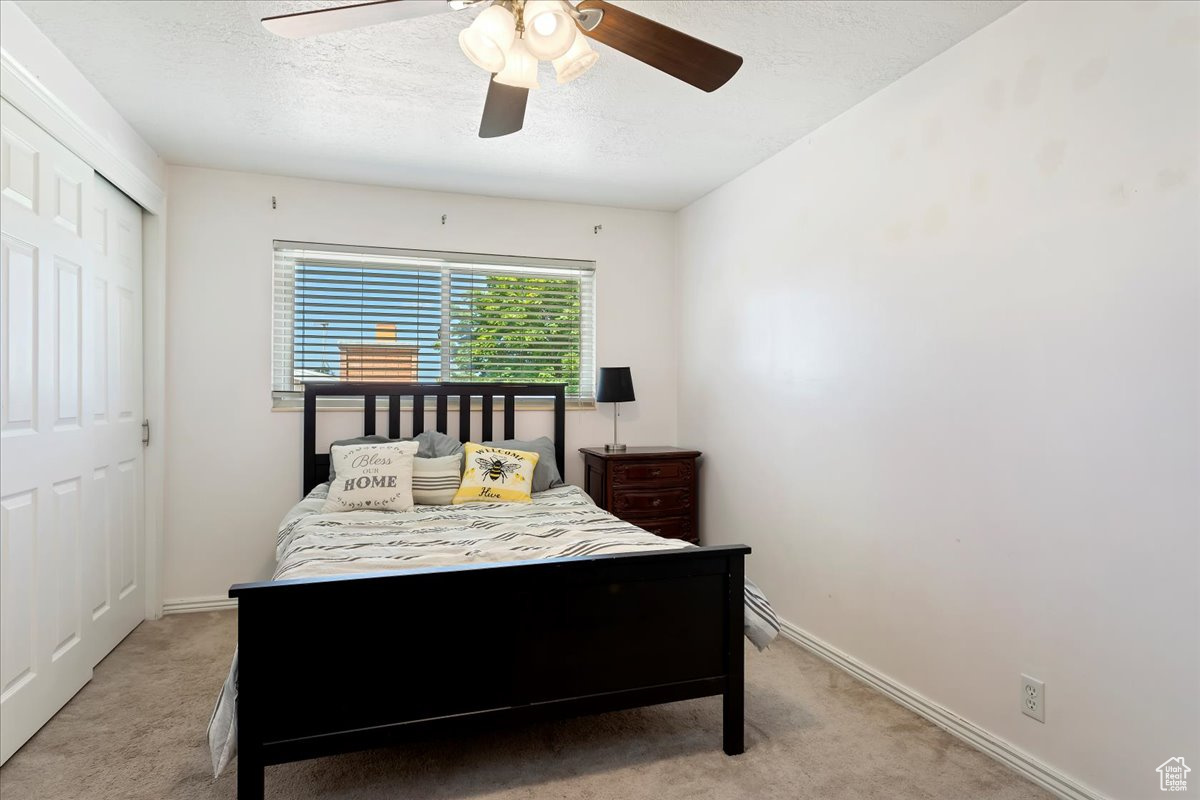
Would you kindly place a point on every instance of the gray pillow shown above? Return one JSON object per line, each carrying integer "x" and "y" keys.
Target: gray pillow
{"x": 437, "y": 445}
{"x": 545, "y": 474}
{"x": 432, "y": 444}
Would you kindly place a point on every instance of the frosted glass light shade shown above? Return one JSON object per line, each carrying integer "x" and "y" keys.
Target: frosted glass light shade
{"x": 487, "y": 39}
{"x": 520, "y": 67}
{"x": 549, "y": 32}
{"x": 576, "y": 61}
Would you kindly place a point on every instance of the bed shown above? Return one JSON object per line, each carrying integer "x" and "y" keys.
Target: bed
{"x": 380, "y": 626}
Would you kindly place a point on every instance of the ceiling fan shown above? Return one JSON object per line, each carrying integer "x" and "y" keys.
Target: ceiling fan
{"x": 510, "y": 37}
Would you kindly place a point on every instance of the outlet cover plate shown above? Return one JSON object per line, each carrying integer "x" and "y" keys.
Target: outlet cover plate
{"x": 1033, "y": 698}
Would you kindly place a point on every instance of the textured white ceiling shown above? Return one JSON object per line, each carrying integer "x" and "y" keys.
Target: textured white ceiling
{"x": 398, "y": 104}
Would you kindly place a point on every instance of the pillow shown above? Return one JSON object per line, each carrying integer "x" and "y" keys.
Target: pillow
{"x": 496, "y": 475}
{"x": 433, "y": 444}
{"x": 374, "y": 476}
{"x": 545, "y": 474}
{"x": 436, "y": 480}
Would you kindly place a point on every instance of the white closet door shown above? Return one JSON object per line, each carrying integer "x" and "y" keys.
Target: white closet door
{"x": 71, "y": 527}
{"x": 113, "y": 584}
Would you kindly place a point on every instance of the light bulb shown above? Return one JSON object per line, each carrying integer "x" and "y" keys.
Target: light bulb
{"x": 544, "y": 24}
{"x": 520, "y": 67}
{"x": 488, "y": 37}
{"x": 549, "y": 32}
{"x": 576, "y": 61}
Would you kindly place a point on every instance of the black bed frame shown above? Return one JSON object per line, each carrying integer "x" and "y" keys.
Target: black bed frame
{"x": 337, "y": 664}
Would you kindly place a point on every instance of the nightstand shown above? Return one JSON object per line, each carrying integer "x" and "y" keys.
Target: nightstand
{"x": 651, "y": 487}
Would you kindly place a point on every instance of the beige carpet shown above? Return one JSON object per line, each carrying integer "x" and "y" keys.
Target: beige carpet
{"x": 137, "y": 731}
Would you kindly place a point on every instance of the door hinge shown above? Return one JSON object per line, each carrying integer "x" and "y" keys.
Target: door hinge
{"x": 146, "y": 432}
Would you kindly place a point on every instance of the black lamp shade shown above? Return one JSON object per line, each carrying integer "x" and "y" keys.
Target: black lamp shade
{"x": 615, "y": 385}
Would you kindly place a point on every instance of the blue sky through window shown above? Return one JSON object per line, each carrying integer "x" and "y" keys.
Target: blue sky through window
{"x": 341, "y": 304}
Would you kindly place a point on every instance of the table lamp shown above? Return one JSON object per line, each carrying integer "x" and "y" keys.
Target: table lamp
{"x": 615, "y": 386}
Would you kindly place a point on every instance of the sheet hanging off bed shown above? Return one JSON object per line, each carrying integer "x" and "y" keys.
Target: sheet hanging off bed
{"x": 558, "y": 523}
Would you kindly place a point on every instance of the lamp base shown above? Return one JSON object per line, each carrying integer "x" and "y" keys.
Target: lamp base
{"x": 614, "y": 448}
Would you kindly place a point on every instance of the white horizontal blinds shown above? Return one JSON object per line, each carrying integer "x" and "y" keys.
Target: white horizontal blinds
{"x": 350, "y": 313}
{"x": 282, "y": 325}
{"x": 587, "y": 336}
{"x": 521, "y": 325}
{"x": 347, "y": 316}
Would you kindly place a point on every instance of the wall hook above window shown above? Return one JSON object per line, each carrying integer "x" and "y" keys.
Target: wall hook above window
{"x": 443, "y": 219}
{"x": 597, "y": 229}
{"x": 273, "y": 201}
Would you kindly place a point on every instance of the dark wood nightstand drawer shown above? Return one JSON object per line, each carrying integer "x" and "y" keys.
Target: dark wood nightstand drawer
{"x": 667, "y": 527}
{"x": 653, "y": 472}
{"x": 657, "y": 501}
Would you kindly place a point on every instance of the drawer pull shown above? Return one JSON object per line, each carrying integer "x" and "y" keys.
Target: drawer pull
{"x": 657, "y": 502}
{"x": 654, "y": 473}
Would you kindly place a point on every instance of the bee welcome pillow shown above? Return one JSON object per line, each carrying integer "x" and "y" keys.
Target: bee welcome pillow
{"x": 496, "y": 475}
{"x": 371, "y": 476}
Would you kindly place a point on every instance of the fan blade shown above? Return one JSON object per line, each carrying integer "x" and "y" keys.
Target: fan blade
{"x": 328, "y": 20}
{"x": 503, "y": 111}
{"x": 690, "y": 60}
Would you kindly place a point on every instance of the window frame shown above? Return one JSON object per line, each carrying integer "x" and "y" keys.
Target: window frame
{"x": 283, "y": 313}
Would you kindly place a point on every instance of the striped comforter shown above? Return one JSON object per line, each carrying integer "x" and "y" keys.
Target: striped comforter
{"x": 558, "y": 523}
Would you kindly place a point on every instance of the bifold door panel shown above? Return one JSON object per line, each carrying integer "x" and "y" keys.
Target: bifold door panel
{"x": 71, "y": 497}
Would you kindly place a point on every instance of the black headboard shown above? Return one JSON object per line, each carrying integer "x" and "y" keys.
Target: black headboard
{"x": 316, "y": 465}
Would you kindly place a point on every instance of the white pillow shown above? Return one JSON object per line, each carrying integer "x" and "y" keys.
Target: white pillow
{"x": 372, "y": 476}
{"x": 435, "y": 480}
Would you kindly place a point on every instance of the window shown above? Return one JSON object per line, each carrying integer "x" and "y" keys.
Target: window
{"x": 364, "y": 314}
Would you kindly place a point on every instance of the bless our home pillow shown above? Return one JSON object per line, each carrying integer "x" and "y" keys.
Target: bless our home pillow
{"x": 432, "y": 444}
{"x": 372, "y": 476}
{"x": 496, "y": 475}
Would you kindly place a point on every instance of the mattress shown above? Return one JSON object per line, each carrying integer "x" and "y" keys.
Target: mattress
{"x": 560, "y": 522}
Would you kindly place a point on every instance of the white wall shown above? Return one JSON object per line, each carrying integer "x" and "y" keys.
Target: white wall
{"x": 961, "y": 320}
{"x": 233, "y": 465}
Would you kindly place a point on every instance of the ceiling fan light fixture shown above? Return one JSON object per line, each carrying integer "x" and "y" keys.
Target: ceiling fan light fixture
{"x": 489, "y": 37}
{"x": 509, "y": 38}
{"x": 576, "y": 61}
{"x": 520, "y": 67}
{"x": 549, "y": 31}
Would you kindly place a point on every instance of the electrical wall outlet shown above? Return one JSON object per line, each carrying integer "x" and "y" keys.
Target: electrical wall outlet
{"x": 1033, "y": 698}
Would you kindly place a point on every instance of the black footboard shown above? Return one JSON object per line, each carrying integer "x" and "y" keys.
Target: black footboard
{"x": 329, "y": 665}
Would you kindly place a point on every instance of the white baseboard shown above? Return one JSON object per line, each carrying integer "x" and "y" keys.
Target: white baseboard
{"x": 187, "y": 605}
{"x": 1018, "y": 760}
